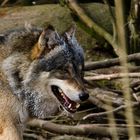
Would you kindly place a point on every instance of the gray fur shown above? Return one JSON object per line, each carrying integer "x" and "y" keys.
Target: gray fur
{"x": 38, "y": 104}
{"x": 20, "y": 40}
{"x": 24, "y": 75}
{"x": 12, "y": 66}
{"x": 74, "y": 46}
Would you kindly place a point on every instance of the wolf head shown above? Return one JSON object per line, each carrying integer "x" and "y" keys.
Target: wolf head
{"x": 48, "y": 74}
{"x": 60, "y": 67}
{"x": 53, "y": 78}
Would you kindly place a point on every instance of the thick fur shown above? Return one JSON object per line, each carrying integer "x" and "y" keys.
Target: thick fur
{"x": 19, "y": 65}
{"x": 13, "y": 114}
{"x": 32, "y": 61}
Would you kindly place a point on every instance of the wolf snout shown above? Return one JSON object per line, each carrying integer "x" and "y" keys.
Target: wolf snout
{"x": 83, "y": 96}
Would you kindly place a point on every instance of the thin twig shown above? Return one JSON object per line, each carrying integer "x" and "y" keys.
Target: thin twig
{"x": 112, "y": 76}
{"x": 98, "y": 103}
{"x": 108, "y": 112}
{"x": 4, "y": 2}
{"x": 103, "y": 113}
{"x": 67, "y": 137}
{"x": 34, "y": 136}
{"x": 112, "y": 19}
{"x": 73, "y": 5}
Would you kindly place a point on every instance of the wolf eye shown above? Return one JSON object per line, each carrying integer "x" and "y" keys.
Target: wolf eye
{"x": 61, "y": 74}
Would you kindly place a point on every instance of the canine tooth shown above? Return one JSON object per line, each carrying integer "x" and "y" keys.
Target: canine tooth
{"x": 77, "y": 106}
{"x": 60, "y": 90}
{"x": 69, "y": 105}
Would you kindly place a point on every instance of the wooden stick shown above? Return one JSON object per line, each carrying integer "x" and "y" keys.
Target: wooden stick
{"x": 108, "y": 112}
{"x": 110, "y": 62}
{"x": 85, "y": 129}
{"x": 4, "y": 2}
{"x": 112, "y": 76}
{"x": 73, "y": 5}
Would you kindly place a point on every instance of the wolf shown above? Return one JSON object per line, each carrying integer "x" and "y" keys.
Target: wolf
{"x": 44, "y": 70}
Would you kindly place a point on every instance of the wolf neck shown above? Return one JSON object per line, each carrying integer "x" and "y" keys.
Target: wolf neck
{"x": 36, "y": 104}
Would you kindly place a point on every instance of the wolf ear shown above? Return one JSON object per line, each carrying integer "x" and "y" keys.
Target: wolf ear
{"x": 71, "y": 32}
{"x": 48, "y": 36}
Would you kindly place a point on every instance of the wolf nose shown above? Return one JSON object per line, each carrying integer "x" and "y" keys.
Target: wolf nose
{"x": 83, "y": 96}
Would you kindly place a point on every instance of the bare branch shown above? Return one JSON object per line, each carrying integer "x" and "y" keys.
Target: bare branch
{"x": 67, "y": 137}
{"x": 85, "y": 129}
{"x": 105, "y": 97}
{"x": 112, "y": 76}
{"x": 112, "y": 19}
{"x": 33, "y": 136}
{"x": 110, "y": 111}
{"x": 123, "y": 46}
{"x": 98, "y": 103}
{"x": 73, "y": 5}
{"x": 4, "y": 2}
{"x": 110, "y": 62}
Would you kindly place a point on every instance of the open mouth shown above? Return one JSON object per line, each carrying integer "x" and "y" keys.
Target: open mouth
{"x": 66, "y": 102}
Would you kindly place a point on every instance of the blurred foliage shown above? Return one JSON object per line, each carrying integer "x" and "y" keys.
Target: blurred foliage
{"x": 131, "y": 10}
{"x": 132, "y": 18}
{"x": 26, "y": 2}
{"x": 30, "y": 2}
{"x": 62, "y": 2}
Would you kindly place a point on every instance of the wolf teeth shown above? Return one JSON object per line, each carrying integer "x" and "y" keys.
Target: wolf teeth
{"x": 69, "y": 105}
{"x": 60, "y": 90}
{"x": 77, "y": 106}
